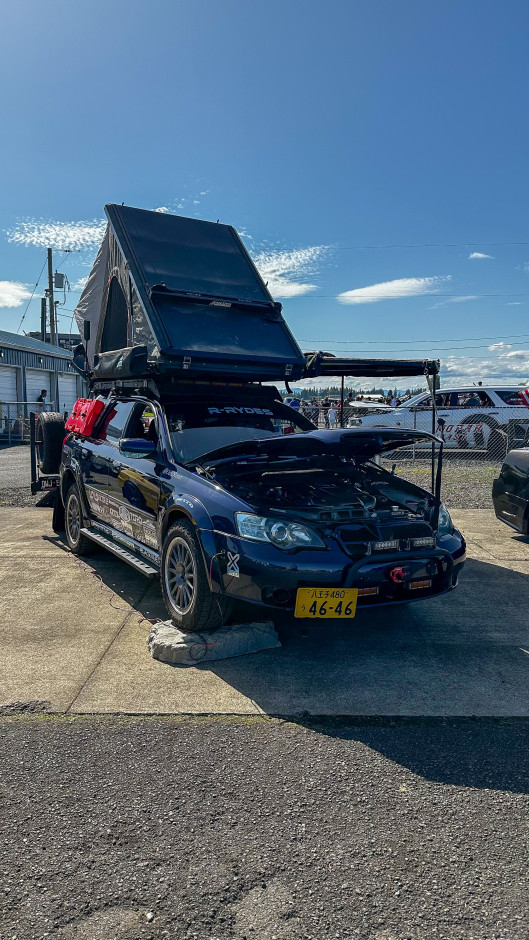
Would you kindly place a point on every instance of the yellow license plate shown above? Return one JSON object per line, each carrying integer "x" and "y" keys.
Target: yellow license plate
{"x": 323, "y": 603}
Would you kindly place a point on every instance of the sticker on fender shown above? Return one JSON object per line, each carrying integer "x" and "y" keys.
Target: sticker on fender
{"x": 323, "y": 603}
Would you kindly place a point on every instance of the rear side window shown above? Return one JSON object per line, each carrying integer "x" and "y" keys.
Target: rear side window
{"x": 471, "y": 399}
{"x": 114, "y": 421}
{"x": 510, "y": 397}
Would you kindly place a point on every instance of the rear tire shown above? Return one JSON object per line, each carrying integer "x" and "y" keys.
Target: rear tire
{"x": 74, "y": 522}
{"x": 49, "y": 437}
{"x": 185, "y": 588}
{"x": 497, "y": 445}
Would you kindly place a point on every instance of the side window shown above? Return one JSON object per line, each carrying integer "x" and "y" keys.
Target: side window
{"x": 472, "y": 399}
{"x": 424, "y": 403}
{"x": 510, "y": 397}
{"x": 114, "y": 421}
{"x": 142, "y": 423}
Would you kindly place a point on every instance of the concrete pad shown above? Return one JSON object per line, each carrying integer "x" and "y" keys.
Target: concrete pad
{"x": 56, "y": 618}
{"x": 129, "y": 681}
{"x": 80, "y": 643}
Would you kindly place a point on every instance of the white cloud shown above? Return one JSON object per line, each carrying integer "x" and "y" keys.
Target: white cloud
{"x": 79, "y": 283}
{"x": 514, "y": 303}
{"x": 455, "y": 300}
{"x": 478, "y": 256}
{"x": 391, "y": 290}
{"x": 286, "y": 270}
{"x": 162, "y": 209}
{"x": 13, "y": 294}
{"x": 500, "y": 346}
{"x": 517, "y": 354}
{"x": 58, "y": 235}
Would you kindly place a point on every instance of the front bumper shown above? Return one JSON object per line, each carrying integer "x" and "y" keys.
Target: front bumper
{"x": 265, "y": 575}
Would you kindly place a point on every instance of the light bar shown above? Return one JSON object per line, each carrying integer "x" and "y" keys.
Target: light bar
{"x": 386, "y": 546}
{"x": 426, "y": 541}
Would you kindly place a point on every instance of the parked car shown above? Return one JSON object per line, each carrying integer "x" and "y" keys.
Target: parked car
{"x": 510, "y": 491}
{"x": 491, "y": 419}
{"x": 232, "y": 496}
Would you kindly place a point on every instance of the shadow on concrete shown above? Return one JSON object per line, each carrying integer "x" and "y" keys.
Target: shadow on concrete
{"x": 461, "y": 654}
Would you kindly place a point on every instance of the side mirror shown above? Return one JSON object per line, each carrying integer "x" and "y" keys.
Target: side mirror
{"x": 137, "y": 447}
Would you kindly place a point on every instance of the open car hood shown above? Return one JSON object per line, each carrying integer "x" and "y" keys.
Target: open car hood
{"x": 353, "y": 442}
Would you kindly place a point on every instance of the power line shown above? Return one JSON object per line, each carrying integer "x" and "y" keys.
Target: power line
{"x": 429, "y": 294}
{"x": 433, "y": 245}
{"x": 31, "y": 298}
{"x": 430, "y": 349}
{"x": 408, "y": 342}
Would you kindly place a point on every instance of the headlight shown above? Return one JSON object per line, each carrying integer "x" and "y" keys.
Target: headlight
{"x": 445, "y": 522}
{"x": 280, "y": 533}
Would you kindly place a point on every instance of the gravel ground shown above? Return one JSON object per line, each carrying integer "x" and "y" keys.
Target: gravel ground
{"x": 466, "y": 485}
{"x": 120, "y": 829}
{"x": 15, "y": 476}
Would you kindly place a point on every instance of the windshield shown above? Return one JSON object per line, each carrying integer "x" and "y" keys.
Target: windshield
{"x": 197, "y": 428}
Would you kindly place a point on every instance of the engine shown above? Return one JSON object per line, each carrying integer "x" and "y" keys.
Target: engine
{"x": 325, "y": 495}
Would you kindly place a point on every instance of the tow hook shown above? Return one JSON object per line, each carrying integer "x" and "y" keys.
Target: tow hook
{"x": 399, "y": 574}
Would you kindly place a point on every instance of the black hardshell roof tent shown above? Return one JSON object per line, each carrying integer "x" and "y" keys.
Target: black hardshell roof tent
{"x": 189, "y": 292}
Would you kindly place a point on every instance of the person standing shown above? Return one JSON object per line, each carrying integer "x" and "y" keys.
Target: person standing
{"x": 325, "y": 405}
{"x": 40, "y": 404}
{"x": 331, "y": 417}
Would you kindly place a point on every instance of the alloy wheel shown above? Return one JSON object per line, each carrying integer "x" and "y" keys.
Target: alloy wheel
{"x": 180, "y": 575}
{"x": 73, "y": 519}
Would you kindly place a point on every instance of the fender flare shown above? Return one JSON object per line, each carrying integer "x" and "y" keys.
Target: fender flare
{"x": 190, "y": 508}
{"x": 72, "y": 474}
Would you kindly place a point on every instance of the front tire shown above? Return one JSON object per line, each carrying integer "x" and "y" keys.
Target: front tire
{"x": 74, "y": 522}
{"x": 185, "y": 586}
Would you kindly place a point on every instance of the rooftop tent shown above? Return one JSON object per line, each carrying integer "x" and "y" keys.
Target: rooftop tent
{"x": 189, "y": 292}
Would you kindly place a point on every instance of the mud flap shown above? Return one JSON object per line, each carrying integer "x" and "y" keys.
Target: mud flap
{"x": 57, "y": 522}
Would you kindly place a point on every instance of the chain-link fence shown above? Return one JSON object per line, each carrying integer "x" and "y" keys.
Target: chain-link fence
{"x": 14, "y": 419}
{"x": 470, "y": 433}
{"x": 477, "y": 433}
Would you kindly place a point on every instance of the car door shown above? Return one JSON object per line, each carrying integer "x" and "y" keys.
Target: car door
{"x": 134, "y": 481}
{"x": 476, "y": 416}
{"x": 96, "y": 454}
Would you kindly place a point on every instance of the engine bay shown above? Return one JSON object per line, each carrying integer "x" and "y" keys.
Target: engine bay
{"x": 324, "y": 494}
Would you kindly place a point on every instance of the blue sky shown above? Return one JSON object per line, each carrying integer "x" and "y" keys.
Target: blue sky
{"x": 320, "y": 130}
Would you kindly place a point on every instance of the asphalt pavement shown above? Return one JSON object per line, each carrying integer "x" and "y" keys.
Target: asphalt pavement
{"x": 254, "y": 828}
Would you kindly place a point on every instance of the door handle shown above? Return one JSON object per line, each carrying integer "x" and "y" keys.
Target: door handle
{"x": 116, "y": 463}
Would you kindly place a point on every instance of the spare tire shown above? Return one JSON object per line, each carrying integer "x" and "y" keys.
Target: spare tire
{"x": 49, "y": 436}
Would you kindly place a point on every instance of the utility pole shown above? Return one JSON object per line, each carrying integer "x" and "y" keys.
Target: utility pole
{"x": 43, "y": 319}
{"x": 53, "y": 322}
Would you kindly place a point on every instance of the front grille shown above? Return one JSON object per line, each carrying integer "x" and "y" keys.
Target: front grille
{"x": 360, "y": 540}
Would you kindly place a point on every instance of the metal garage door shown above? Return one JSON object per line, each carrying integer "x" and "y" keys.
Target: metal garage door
{"x": 8, "y": 383}
{"x": 67, "y": 392}
{"x": 36, "y": 380}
